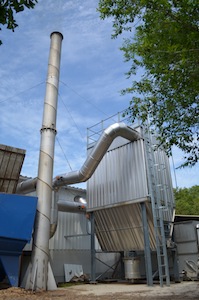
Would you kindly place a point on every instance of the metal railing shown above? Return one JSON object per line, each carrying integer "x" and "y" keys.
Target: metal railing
{"x": 95, "y": 131}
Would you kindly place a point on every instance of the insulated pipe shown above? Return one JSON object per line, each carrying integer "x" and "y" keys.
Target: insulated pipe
{"x": 91, "y": 163}
{"x": 79, "y": 205}
{"x": 39, "y": 273}
{"x": 97, "y": 153}
{"x": 54, "y": 215}
{"x": 27, "y": 186}
{"x": 73, "y": 207}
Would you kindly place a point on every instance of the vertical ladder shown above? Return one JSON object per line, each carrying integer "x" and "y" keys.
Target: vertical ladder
{"x": 157, "y": 209}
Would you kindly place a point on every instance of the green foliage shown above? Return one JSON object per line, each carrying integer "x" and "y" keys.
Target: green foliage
{"x": 187, "y": 200}
{"x": 165, "y": 45}
{"x": 9, "y": 7}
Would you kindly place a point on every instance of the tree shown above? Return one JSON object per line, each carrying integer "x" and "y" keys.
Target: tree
{"x": 187, "y": 200}
{"x": 9, "y": 7}
{"x": 165, "y": 46}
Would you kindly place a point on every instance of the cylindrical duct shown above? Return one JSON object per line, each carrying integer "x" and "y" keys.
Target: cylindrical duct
{"x": 97, "y": 153}
{"x": 27, "y": 186}
{"x": 73, "y": 207}
{"x": 79, "y": 205}
{"x": 40, "y": 276}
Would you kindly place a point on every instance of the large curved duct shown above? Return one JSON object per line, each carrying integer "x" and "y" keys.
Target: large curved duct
{"x": 92, "y": 161}
{"x": 96, "y": 155}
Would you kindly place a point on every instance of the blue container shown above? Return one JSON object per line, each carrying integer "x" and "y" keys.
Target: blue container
{"x": 17, "y": 214}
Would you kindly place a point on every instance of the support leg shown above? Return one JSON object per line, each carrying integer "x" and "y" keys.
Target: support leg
{"x": 93, "y": 261}
{"x": 147, "y": 250}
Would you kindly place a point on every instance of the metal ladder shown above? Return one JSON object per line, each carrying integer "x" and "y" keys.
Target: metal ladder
{"x": 158, "y": 206}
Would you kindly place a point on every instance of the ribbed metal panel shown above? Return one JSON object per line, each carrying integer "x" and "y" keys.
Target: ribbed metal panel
{"x": 120, "y": 177}
{"x": 11, "y": 161}
{"x": 164, "y": 184}
{"x": 120, "y": 228}
{"x": 124, "y": 178}
{"x": 73, "y": 228}
{"x": 72, "y": 232}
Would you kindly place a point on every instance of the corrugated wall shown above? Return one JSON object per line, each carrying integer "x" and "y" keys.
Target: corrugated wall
{"x": 72, "y": 232}
{"x": 120, "y": 177}
{"x": 164, "y": 184}
{"x": 73, "y": 228}
{"x": 120, "y": 228}
{"x": 11, "y": 161}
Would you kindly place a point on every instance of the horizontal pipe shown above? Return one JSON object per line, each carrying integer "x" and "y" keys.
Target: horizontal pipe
{"x": 27, "y": 186}
{"x": 97, "y": 153}
{"x": 73, "y": 207}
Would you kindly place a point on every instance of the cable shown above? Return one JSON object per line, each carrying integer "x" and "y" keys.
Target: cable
{"x": 63, "y": 153}
{"x": 71, "y": 116}
{"x": 74, "y": 91}
{"x": 22, "y": 92}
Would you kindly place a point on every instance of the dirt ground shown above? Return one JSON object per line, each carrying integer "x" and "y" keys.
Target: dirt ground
{"x": 108, "y": 291}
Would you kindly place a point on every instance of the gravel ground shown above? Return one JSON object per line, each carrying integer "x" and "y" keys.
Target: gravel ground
{"x": 108, "y": 291}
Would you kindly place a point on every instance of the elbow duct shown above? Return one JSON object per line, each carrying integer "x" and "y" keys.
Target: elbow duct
{"x": 92, "y": 161}
{"x": 96, "y": 155}
{"x": 79, "y": 206}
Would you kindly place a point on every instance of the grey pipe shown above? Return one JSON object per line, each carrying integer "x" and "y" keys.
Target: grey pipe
{"x": 91, "y": 163}
{"x": 26, "y": 186}
{"x": 97, "y": 153}
{"x": 54, "y": 214}
{"x": 73, "y": 207}
{"x": 78, "y": 206}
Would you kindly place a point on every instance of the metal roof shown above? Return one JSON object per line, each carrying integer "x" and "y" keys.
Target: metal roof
{"x": 11, "y": 161}
{"x": 185, "y": 218}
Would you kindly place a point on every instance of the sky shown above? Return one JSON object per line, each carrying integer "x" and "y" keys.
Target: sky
{"x": 91, "y": 77}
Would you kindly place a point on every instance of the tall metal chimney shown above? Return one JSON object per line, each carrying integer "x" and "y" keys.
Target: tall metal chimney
{"x": 39, "y": 275}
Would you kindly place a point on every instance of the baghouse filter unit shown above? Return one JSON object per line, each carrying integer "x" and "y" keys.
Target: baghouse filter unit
{"x": 132, "y": 176}
{"x": 121, "y": 182}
